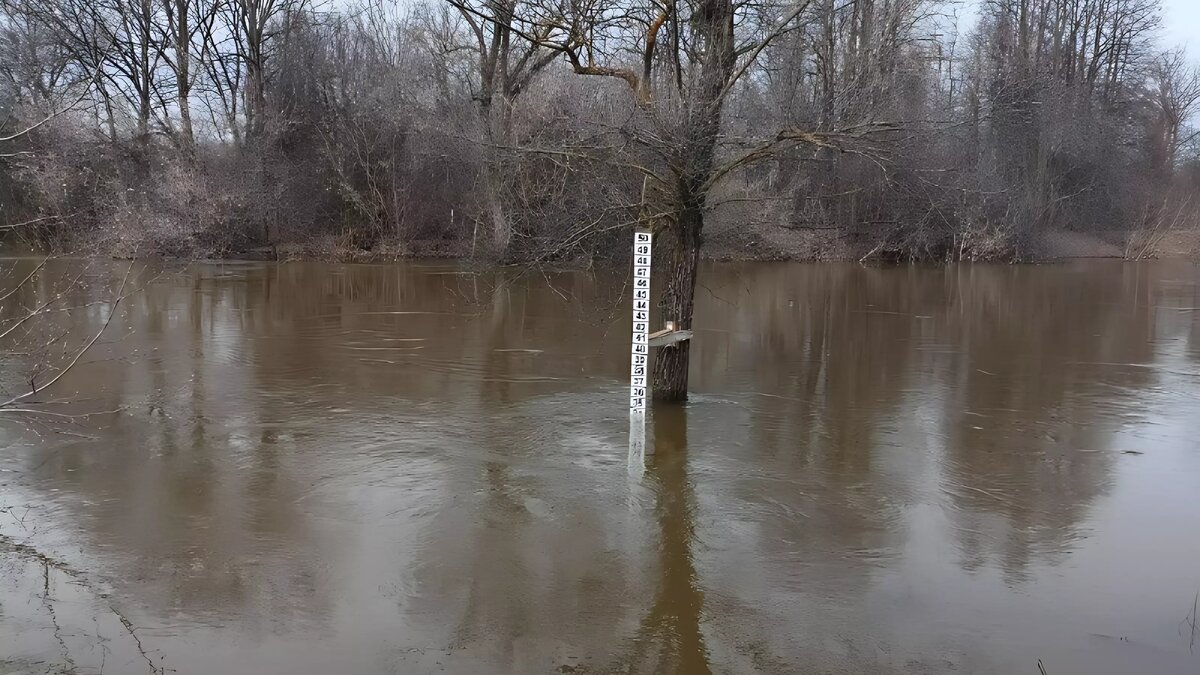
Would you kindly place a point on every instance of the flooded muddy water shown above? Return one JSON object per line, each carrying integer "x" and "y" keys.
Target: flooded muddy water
{"x": 312, "y": 468}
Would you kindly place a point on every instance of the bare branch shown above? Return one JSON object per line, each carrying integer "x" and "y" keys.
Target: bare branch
{"x": 120, "y": 295}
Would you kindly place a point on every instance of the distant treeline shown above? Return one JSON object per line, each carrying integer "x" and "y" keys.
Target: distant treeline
{"x": 540, "y": 129}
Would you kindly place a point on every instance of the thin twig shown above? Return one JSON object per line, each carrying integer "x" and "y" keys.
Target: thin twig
{"x": 78, "y": 355}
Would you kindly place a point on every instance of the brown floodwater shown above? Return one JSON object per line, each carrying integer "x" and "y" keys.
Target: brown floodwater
{"x": 311, "y": 468}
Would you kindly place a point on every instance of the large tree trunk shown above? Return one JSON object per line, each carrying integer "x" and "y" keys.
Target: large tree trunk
{"x": 256, "y": 100}
{"x": 496, "y": 130}
{"x": 110, "y": 120}
{"x": 678, "y": 301}
{"x": 702, "y": 125}
{"x": 183, "y": 76}
{"x": 501, "y": 227}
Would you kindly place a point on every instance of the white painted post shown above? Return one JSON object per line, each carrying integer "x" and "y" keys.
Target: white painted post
{"x": 637, "y": 442}
{"x": 639, "y": 367}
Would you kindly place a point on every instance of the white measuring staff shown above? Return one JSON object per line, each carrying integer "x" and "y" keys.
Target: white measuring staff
{"x": 639, "y": 367}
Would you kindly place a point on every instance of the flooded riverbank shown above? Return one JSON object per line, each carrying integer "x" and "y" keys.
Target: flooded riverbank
{"x": 321, "y": 468}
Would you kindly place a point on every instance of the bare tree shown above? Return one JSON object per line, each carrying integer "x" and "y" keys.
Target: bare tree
{"x": 179, "y": 37}
{"x": 1174, "y": 97}
{"x": 536, "y": 130}
{"x": 254, "y": 25}
{"x": 679, "y": 63}
{"x": 504, "y": 66}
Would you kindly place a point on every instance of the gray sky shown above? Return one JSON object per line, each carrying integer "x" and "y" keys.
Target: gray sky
{"x": 1181, "y": 24}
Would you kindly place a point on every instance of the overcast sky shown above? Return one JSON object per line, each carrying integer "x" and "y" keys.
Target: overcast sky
{"x": 1181, "y": 24}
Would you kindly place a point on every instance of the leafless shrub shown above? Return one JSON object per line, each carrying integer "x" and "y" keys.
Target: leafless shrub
{"x": 219, "y": 128}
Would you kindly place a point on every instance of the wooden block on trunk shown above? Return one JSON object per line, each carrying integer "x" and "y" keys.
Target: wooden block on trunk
{"x": 668, "y": 337}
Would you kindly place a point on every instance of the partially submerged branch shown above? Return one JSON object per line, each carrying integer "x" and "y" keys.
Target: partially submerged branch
{"x": 20, "y": 403}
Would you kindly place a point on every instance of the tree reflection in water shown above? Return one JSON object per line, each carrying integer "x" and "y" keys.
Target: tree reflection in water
{"x": 669, "y": 639}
